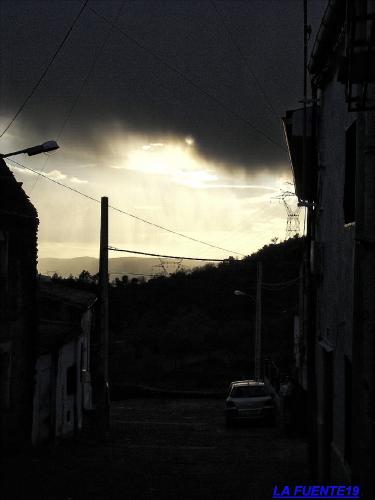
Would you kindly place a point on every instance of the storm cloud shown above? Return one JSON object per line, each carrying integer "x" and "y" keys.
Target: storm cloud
{"x": 177, "y": 74}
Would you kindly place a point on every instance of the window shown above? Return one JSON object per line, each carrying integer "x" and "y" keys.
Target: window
{"x": 350, "y": 169}
{"x": 249, "y": 391}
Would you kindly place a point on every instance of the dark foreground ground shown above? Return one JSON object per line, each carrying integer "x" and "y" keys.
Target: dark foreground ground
{"x": 161, "y": 449}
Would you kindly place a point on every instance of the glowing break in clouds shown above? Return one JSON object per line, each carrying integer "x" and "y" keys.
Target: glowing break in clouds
{"x": 179, "y": 162}
{"x": 162, "y": 179}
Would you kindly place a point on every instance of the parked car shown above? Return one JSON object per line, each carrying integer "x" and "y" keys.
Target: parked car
{"x": 247, "y": 400}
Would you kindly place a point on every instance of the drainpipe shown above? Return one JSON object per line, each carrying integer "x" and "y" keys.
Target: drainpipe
{"x": 310, "y": 312}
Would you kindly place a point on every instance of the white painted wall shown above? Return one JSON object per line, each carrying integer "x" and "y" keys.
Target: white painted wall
{"x": 66, "y": 412}
{"x": 59, "y": 402}
{"x": 42, "y": 428}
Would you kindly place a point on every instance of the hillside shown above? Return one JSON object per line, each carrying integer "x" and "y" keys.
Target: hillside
{"x": 117, "y": 266}
{"x": 191, "y": 331}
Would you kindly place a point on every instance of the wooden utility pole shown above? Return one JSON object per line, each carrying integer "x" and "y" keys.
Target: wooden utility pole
{"x": 308, "y": 305}
{"x": 258, "y": 324}
{"x": 304, "y": 142}
{"x": 103, "y": 394}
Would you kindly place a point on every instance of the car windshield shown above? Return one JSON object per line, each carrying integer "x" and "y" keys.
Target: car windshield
{"x": 249, "y": 391}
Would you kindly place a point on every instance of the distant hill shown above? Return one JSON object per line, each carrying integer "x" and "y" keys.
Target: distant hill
{"x": 191, "y": 331}
{"x": 121, "y": 265}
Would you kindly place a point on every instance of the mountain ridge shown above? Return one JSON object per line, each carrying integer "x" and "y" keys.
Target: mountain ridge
{"x": 117, "y": 266}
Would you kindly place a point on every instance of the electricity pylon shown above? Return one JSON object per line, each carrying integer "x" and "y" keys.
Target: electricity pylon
{"x": 292, "y": 221}
{"x": 168, "y": 267}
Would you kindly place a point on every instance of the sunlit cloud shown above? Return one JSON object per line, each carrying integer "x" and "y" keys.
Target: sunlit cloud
{"x": 162, "y": 179}
{"x": 152, "y": 146}
{"x": 75, "y": 180}
{"x": 173, "y": 161}
{"x": 57, "y": 175}
{"x": 87, "y": 165}
{"x": 196, "y": 183}
{"x": 22, "y": 171}
{"x": 117, "y": 167}
{"x": 196, "y": 179}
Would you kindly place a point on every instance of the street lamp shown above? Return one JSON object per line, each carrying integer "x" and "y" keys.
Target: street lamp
{"x": 35, "y": 150}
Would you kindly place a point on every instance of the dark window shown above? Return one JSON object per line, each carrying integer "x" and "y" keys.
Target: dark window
{"x": 248, "y": 391}
{"x": 71, "y": 380}
{"x": 350, "y": 168}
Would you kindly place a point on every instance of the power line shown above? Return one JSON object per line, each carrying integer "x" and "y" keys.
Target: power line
{"x": 54, "y": 181}
{"x": 33, "y": 90}
{"x": 189, "y": 80}
{"x": 84, "y": 83}
{"x": 278, "y": 287}
{"x": 175, "y": 232}
{"x": 114, "y": 249}
{"x": 245, "y": 61}
{"x": 282, "y": 282}
{"x": 145, "y": 221}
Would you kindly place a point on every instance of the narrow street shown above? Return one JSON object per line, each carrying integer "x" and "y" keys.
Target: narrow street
{"x": 162, "y": 449}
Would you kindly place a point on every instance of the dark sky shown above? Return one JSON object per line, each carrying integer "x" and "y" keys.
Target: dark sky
{"x": 131, "y": 88}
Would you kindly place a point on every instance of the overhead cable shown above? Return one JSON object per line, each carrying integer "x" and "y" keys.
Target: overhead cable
{"x": 83, "y": 84}
{"x": 190, "y": 81}
{"x": 175, "y": 232}
{"x": 114, "y": 249}
{"x": 145, "y": 221}
{"x": 292, "y": 280}
{"x": 33, "y": 90}
{"x": 245, "y": 61}
{"x": 280, "y": 286}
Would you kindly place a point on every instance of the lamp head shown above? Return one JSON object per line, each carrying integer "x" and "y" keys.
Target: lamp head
{"x": 43, "y": 148}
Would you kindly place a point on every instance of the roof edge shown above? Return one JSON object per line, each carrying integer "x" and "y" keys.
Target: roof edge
{"x": 332, "y": 23}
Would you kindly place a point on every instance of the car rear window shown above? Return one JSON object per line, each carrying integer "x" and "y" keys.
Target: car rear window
{"x": 249, "y": 391}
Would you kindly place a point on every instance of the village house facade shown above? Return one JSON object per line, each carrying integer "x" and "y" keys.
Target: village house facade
{"x": 63, "y": 386}
{"x": 18, "y": 320}
{"x": 336, "y": 350}
{"x": 46, "y": 335}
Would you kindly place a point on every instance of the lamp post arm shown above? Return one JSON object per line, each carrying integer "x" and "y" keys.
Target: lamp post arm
{"x": 15, "y": 153}
{"x": 35, "y": 150}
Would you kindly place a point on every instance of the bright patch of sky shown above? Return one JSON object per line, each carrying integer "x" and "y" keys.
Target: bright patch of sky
{"x": 162, "y": 180}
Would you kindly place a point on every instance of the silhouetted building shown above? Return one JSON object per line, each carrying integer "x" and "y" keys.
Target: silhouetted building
{"x": 18, "y": 258}
{"x": 336, "y": 349}
{"x": 63, "y": 390}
